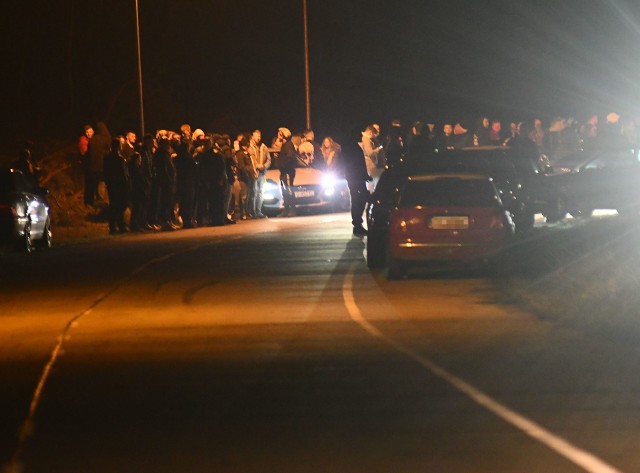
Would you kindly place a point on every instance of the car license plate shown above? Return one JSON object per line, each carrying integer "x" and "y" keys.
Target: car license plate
{"x": 447, "y": 222}
{"x": 299, "y": 194}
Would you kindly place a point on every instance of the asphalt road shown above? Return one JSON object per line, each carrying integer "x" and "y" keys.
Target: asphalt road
{"x": 269, "y": 346}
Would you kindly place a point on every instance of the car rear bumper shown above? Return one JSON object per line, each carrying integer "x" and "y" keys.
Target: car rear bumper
{"x": 463, "y": 252}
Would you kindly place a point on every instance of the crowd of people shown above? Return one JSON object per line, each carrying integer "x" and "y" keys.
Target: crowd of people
{"x": 184, "y": 179}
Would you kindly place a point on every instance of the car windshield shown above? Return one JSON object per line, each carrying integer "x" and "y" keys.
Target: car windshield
{"x": 449, "y": 192}
{"x": 491, "y": 165}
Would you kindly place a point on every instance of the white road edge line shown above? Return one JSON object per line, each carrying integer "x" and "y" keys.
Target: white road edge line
{"x": 576, "y": 455}
{"x": 14, "y": 464}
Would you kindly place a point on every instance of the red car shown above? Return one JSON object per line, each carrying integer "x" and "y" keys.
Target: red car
{"x": 452, "y": 218}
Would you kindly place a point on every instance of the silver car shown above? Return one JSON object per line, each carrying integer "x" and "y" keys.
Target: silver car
{"x": 25, "y": 221}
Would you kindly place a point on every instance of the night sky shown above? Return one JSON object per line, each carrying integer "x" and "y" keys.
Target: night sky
{"x": 233, "y": 65}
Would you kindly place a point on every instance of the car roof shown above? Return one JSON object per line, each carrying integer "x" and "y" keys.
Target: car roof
{"x": 461, "y": 176}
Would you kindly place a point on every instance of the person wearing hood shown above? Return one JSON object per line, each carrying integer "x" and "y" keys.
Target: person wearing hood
{"x": 99, "y": 146}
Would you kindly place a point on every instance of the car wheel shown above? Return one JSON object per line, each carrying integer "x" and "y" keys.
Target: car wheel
{"x": 581, "y": 212}
{"x": 376, "y": 250}
{"x": 524, "y": 220}
{"x": 557, "y": 211}
{"x": 24, "y": 243}
{"x": 45, "y": 242}
{"x": 629, "y": 211}
{"x": 395, "y": 269}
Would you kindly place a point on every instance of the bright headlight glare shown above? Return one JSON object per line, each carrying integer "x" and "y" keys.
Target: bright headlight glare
{"x": 270, "y": 186}
{"x": 328, "y": 180}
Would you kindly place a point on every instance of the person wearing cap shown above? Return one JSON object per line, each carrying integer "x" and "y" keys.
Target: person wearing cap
{"x": 279, "y": 139}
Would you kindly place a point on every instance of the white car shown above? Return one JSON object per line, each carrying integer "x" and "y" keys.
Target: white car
{"x": 312, "y": 188}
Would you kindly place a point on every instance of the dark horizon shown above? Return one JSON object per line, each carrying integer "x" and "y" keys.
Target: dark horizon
{"x": 239, "y": 65}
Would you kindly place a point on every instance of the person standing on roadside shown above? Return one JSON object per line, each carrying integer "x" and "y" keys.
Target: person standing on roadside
{"x": 262, "y": 161}
{"x": 186, "y": 181}
{"x": 352, "y": 164}
{"x": 287, "y": 163}
{"x": 83, "y": 148}
{"x": 129, "y": 146}
{"x": 116, "y": 176}
{"x": 141, "y": 173}
{"x": 373, "y": 157}
{"x": 99, "y": 146}
{"x": 248, "y": 175}
{"x": 165, "y": 185}
{"x": 26, "y": 164}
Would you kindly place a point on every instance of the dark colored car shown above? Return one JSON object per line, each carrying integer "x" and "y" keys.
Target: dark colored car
{"x": 600, "y": 179}
{"x": 444, "y": 218}
{"x": 24, "y": 213}
{"x": 519, "y": 175}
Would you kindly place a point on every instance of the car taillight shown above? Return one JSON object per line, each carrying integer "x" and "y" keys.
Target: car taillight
{"x": 497, "y": 222}
{"x": 6, "y": 209}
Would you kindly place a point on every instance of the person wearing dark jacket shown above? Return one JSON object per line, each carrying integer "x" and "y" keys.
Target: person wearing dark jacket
{"x": 353, "y": 166}
{"x": 394, "y": 146}
{"x": 287, "y": 164}
{"x": 116, "y": 176}
{"x": 186, "y": 181}
{"x": 141, "y": 173}
{"x": 213, "y": 181}
{"x": 165, "y": 185}
{"x": 231, "y": 168}
{"x": 27, "y": 165}
{"x": 99, "y": 146}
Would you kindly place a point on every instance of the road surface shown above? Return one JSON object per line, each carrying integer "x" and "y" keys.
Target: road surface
{"x": 268, "y": 346}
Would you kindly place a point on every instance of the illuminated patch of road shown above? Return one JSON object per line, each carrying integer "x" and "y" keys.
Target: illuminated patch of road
{"x": 576, "y": 455}
{"x": 14, "y": 465}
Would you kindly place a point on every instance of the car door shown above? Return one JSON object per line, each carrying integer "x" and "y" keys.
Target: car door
{"x": 609, "y": 180}
{"x": 35, "y": 205}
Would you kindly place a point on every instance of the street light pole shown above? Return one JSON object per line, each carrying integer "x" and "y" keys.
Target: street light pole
{"x": 140, "y": 71}
{"x": 306, "y": 64}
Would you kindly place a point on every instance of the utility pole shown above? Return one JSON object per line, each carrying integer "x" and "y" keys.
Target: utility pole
{"x": 140, "y": 72}
{"x": 306, "y": 64}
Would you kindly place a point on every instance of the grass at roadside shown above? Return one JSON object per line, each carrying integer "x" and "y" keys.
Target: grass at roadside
{"x": 585, "y": 275}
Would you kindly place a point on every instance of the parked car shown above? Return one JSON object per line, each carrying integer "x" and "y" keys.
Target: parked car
{"x": 444, "y": 218}
{"x": 314, "y": 188}
{"x": 24, "y": 213}
{"x": 606, "y": 179}
{"x": 519, "y": 176}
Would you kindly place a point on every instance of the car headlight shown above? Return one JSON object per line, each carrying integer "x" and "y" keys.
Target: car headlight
{"x": 270, "y": 191}
{"x": 328, "y": 180}
{"x": 328, "y": 184}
